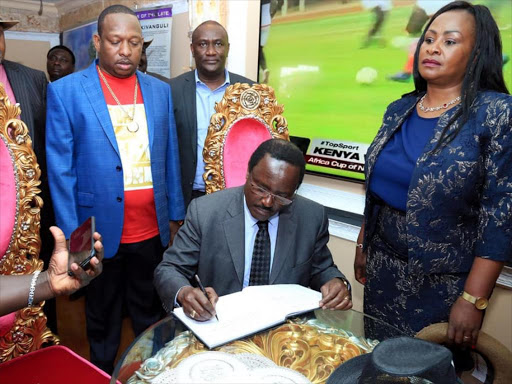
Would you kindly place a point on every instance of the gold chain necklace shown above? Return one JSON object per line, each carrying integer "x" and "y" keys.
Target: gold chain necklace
{"x": 132, "y": 126}
{"x": 434, "y": 109}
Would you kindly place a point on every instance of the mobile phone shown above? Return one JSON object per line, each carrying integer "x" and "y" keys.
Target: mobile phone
{"x": 81, "y": 245}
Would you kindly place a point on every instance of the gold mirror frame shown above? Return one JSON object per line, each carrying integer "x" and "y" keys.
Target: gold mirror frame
{"x": 240, "y": 101}
{"x": 29, "y": 331}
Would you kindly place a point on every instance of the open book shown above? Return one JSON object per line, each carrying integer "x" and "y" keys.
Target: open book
{"x": 252, "y": 310}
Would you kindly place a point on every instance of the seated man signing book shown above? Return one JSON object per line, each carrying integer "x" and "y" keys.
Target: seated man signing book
{"x": 258, "y": 234}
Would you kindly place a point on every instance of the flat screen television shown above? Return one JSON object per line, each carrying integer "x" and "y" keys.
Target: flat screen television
{"x": 335, "y": 77}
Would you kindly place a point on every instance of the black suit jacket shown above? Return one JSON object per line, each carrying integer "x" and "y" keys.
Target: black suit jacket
{"x": 183, "y": 90}
{"x": 29, "y": 87}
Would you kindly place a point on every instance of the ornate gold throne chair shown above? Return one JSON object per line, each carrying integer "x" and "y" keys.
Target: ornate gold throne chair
{"x": 25, "y": 330}
{"x": 245, "y": 117}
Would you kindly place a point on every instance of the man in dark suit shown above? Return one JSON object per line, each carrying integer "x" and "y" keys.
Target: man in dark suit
{"x": 112, "y": 154}
{"x": 27, "y": 87}
{"x": 261, "y": 233}
{"x": 194, "y": 96}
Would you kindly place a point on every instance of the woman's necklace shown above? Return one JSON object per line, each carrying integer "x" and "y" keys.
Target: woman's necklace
{"x": 434, "y": 109}
{"x": 132, "y": 126}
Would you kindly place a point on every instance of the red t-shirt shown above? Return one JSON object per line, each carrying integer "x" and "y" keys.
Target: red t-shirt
{"x": 140, "y": 222}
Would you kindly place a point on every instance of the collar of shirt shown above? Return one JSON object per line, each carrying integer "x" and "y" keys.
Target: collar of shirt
{"x": 205, "y": 108}
{"x": 251, "y": 229}
{"x": 225, "y": 84}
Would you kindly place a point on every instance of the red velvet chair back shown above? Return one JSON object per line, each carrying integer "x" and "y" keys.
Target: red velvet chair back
{"x": 245, "y": 117}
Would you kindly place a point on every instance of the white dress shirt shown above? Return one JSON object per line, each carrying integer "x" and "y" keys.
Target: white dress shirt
{"x": 251, "y": 229}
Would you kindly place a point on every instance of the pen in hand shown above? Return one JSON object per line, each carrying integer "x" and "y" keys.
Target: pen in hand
{"x": 204, "y": 291}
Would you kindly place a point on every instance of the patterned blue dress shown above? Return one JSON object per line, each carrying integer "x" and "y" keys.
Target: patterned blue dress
{"x": 458, "y": 206}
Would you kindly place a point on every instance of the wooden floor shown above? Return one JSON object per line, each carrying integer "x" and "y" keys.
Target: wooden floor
{"x": 72, "y": 331}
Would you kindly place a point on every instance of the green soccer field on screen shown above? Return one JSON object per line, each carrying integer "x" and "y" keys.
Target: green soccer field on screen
{"x": 335, "y": 83}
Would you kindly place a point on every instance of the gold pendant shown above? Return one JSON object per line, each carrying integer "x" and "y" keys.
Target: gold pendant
{"x": 132, "y": 126}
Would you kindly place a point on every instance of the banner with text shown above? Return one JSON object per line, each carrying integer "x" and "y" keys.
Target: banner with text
{"x": 156, "y": 24}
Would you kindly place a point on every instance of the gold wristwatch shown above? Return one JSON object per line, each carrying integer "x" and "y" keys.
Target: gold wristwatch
{"x": 480, "y": 302}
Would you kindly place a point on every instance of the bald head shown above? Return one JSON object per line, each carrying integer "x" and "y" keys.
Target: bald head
{"x": 209, "y": 24}
{"x": 210, "y": 48}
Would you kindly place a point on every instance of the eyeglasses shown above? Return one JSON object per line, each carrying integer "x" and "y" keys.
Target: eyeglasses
{"x": 264, "y": 193}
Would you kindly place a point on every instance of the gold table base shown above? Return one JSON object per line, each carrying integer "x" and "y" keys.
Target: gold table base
{"x": 303, "y": 346}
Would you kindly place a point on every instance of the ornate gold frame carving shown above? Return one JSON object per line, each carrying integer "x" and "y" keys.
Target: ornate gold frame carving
{"x": 29, "y": 331}
{"x": 240, "y": 101}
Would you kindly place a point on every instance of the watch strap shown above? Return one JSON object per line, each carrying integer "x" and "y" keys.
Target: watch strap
{"x": 479, "y": 302}
{"x": 347, "y": 284}
{"x": 466, "y": 296}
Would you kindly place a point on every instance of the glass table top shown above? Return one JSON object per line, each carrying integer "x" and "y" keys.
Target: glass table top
{"x": 314, "y": 345}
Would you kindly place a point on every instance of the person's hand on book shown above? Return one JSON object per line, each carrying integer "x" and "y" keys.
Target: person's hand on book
{"x": 196, "y": 305}
{"x": 335, "y": 295}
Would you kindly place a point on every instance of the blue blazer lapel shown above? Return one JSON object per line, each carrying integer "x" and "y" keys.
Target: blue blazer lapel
{"x": 286, "y": 233}
{"x": 395, "y": 119}
{"x": 234, "y": 229}
{"x": 94, "y": 93}
{"x": 441, "y": 124}
{"x": 147, "y": 96}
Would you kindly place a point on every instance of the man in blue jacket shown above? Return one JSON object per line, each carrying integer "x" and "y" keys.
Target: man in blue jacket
{"x": 112, "y": 153}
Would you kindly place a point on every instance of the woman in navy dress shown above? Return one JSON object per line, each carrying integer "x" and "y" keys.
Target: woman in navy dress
{"x": 438, "y": 217}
